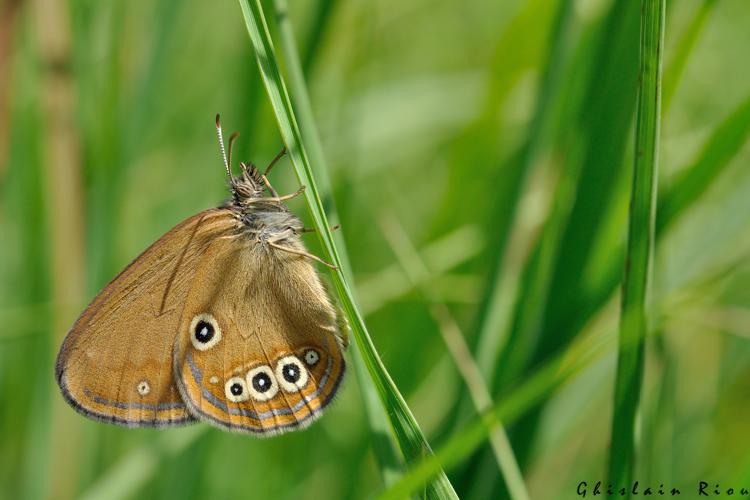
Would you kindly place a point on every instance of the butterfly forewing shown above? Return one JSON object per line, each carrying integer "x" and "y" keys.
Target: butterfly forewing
{"x": 258, "y": 349}
{"x": 115, "y": 363}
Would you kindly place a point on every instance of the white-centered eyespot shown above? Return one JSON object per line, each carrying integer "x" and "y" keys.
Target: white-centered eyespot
{"x": 143, "y": 388}
{"x": 204, "y": 332}
{"x": 311, "y": 357}
{"x": 261, "y": 383}
{"x": 291, "y": 373}
{"x": 236, "y": 390}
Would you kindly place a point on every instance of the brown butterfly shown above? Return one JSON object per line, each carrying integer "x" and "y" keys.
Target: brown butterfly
{"x": 223, "y": 319}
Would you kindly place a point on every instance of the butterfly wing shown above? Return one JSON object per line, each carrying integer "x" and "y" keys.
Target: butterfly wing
{"x": 115, "y": 364}
{"x": 259, "y": 349}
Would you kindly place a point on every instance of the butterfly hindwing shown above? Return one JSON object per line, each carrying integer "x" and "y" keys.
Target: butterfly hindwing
{"x": 116, "y": 362}
{"x": 258, "y": 348}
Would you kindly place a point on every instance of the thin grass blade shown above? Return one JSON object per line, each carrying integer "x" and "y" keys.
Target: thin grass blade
{"x": 635, "y": 313}
{"x": 383, "y": 445}
{"x": 409, "y": 436}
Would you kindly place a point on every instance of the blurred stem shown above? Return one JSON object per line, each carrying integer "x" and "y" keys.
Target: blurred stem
{"x": 441, "y": 255}
{"x": 383, "y": 445}
{"x": 317, "y": 30}
{"x": 54, "y": 435}
{"x": 493, "y": 329}
{"x": 418, "y": 274}
{"x": 635, "y": 311}
{"x": 496, "y": 342}
{"x": 300, "y": 100}
{"x": 683, "y": 49}
{"x": 8, "y": 17}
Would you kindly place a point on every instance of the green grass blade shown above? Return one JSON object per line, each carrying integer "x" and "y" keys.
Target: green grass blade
{"x": 409, "y": 436}
{"x": 634, "y": 314}
{"x": 600, "y": 106}
{"x": 722, "y": 147}
{"x": 604, "y": 119}
{"x": 383, "y": 446}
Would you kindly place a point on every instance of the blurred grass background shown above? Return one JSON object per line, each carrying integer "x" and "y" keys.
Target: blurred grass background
{"x": 495, "y": 138}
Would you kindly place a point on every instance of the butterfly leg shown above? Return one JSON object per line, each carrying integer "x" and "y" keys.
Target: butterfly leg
{"x": 312, "y": 229}
{"x": 268, "y": 185}
{"x": 268, "y": 169}
{"x": 287, "y": 196}
{"x": 277, "y": 199}
{"x": 273, "y": 162}
{"x": 300, "y": 252}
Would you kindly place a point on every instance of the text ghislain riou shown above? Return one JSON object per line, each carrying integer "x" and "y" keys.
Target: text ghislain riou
{"x": 702, "y": 489}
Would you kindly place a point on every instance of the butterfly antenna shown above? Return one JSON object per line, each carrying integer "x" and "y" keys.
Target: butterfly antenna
{"x": 232, "y": 138}
{"x": 223, "y": 151}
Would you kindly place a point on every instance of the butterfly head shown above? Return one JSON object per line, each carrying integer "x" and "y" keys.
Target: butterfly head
{"x": 248, "y": 186}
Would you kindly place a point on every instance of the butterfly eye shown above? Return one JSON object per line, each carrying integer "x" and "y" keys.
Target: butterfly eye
{"x": 236, "y": 390}
{"x": 311, "y": 357}
{"x": 291, "y": 373}
{"x": 261, "y": 383}
{"x": 204, "y": 332}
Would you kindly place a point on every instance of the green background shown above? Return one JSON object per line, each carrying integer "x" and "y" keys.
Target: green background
{"x": 494, "y": 137}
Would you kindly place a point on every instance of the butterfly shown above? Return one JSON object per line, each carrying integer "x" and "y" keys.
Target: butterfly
{"x": 222, "y": 320}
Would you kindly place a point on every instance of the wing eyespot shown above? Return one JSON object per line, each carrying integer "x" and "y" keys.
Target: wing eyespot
{"x": 143, "y": 388}
{"x": 261, "y": 383}
{"x": 291, "y": 373}
{"x": 204, "y": 332}
{"x": 236, "y": 390}
{"x": 311, "y": 357}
